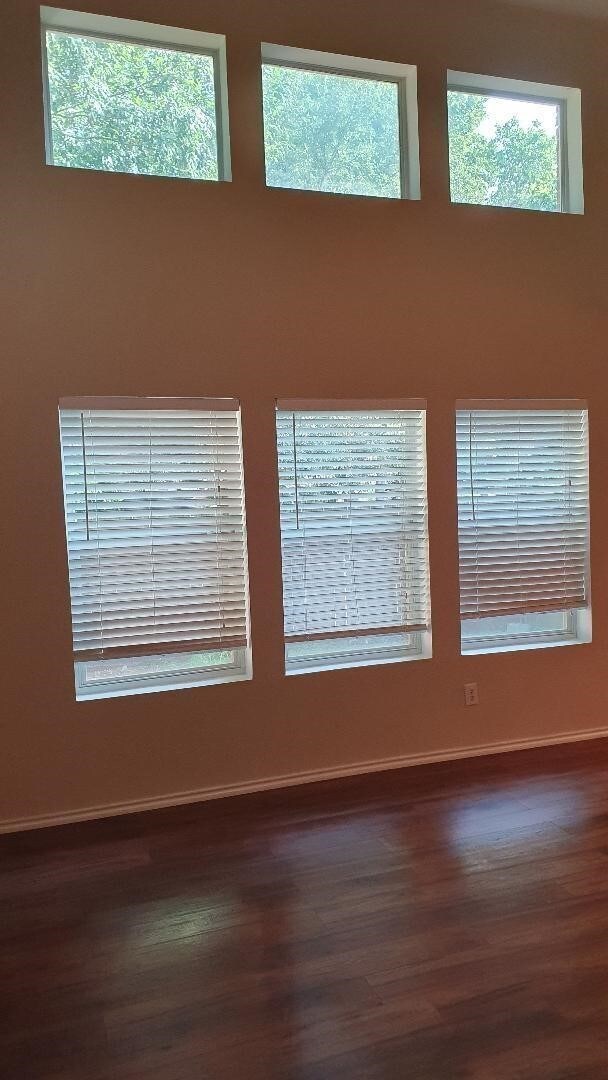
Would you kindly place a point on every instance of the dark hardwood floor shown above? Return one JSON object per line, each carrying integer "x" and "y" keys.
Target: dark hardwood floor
{"x": 444, "y": 922}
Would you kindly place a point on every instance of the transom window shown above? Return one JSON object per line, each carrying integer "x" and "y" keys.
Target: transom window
{"x": 133, "y": 97}
{"x": 515, "y": 144}
{"x": 340, "y": 124}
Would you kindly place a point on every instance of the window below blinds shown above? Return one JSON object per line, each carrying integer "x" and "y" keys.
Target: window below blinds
{"x": 352, "y": 484}
{"x": 523, "y": 519}
{"x": 145, "y": 674}
{"x": 353, "y": 651}
{"x": 155, "y": 524}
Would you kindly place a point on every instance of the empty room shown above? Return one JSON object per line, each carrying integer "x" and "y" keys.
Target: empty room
{"x": 304, "y": 739}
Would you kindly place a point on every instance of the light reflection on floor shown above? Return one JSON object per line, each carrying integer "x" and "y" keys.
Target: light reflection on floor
{"x": 516, "y": 815}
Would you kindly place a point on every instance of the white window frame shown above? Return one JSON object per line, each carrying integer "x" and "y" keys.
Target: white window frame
{"x": 420, "y": 643}
{"x": 577, "y": 632}
{"x": 568, "y": 99}
{"x": 404, "y": 75}
{"x": 579, "y": 623}
{"x": 179, "y": 39}
{"x": 238, "y": 670}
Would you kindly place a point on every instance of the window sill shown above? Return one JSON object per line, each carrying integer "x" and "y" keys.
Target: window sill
{"x": 557, "y": 212}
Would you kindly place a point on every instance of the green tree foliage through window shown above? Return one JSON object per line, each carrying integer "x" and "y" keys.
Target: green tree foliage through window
{"x": 123, "y": 107}
{"x": 331, "y": 132}
{"x": 514, "y": 162}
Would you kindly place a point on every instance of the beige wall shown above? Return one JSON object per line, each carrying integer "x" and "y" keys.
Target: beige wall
{"x": 126, "y": 285}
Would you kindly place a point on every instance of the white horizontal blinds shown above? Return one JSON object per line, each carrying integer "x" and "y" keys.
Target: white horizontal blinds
{"x": 523, "y": 510}
{"x": 155, "y": 523}
{"x": 353, "y": 521}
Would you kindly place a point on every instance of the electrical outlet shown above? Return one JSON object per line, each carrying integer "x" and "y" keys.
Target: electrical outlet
{"x": 471, "y": 694}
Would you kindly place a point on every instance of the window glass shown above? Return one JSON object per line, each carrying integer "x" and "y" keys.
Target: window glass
{"x": 505, "y": 151}
{"x": 138, "y": 666}
{"x": 546, "y": 622}
{"x": 349, "y": 651}
{"x": 331, "y": 132}
{"x": 118, "y": 106}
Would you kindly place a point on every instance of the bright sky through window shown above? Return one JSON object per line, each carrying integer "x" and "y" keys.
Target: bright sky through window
{"x": 501, "y": 109}
{"x": 505, "y": 151}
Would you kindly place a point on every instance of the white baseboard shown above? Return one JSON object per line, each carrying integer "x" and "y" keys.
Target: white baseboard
{"x": 181, "y": 798}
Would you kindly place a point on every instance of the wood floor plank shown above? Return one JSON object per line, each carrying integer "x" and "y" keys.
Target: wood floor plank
{"x": 442, "y": 923}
